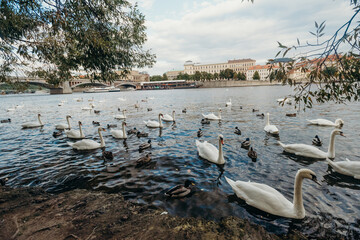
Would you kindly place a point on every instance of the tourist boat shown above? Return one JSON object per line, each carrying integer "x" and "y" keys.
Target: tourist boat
{"x": 102, "y": 89}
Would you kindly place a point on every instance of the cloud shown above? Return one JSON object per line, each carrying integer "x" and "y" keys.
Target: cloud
{"x": 216, "y": 31}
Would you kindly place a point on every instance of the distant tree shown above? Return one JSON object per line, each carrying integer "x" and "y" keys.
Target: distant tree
{"x": 210, "y": 76}
{"x": 229, "y": 73}
{"x": 272, "y": 75}
{"x": 222, "y": 74}
{"x": 241, "y": 76}
{"x": 197, "y": 76}
{"x": 216, "y": 76}
{"x": 186, "y": 76}
{"x": 164, "y": 77}
{"x": 256, "y": 75}
{"x": 156, "y": 78}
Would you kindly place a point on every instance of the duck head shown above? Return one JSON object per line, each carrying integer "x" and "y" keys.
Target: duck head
{"x": 188, "y": 183}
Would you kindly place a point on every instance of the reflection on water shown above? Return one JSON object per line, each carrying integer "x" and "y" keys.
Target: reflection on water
{"x": 33, "y": 157}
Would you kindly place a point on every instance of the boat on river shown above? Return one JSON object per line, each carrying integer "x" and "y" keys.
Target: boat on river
{"x": 102, "y": 89}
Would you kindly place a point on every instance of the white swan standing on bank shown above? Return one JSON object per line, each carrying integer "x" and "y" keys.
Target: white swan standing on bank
{"x": 33, "y": 124}
{"x": 212, "y": 116}
{"x": 272, "y": 129}
{"x": 269, "y": 200}
{"x": 121, "y": 116}
{"x": 311, "y": 151}
{"x": 121, "y": 134}
{"x": 88, "y": 144}
{"x": 63, "y": 126}
{"x": 154, "y": 124}
{"x": 349, "y": 168}
{"x": 210, "y": 152}
{"x": 228, "y": 104}
{"x": 75, "y": 134}
{"x": 168, "y": 118}
{"x": 323, "y": 122}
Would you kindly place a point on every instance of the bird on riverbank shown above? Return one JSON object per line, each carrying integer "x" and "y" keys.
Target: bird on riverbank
{"x": 145, "y": 145}
{"x": 269, "y": 200}
{"x": 180, "y": 190}
{"x": 6, "y": 120}
{"x": 237, "y": 131}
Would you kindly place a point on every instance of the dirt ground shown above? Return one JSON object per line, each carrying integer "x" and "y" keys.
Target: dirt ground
{"x": 31, "y": 213}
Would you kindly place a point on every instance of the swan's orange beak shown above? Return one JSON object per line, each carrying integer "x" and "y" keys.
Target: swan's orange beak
{"x": 222, "y": 141}
{"x": 342, "y": 134}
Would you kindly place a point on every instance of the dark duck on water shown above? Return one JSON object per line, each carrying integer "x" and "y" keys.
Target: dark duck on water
{"x": 180, "y": 190}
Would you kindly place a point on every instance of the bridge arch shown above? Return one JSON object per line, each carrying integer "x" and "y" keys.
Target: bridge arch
{"x": 90, "y": 84}
{"x": 126, "y": 85}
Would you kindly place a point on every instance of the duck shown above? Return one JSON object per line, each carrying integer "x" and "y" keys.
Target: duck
{"x": 121, "y": 116}
{"x": 252, "y": 154}
{"x": 96, "y": 123}
{"x": 241, "y": 107}
{"x": 212, "y": 116}
{"x": 88, "y": 144}
{"x": 119, "y": 110}
{"x": 107, "y": 155}
{"x": 145, "y": 145}
{"x": 268, "y": 199}
{"x": 199, "y": 133}
{"x": 311, "y": 151}
{"x": 149, "y": 109}
{"x": 348, "y": 168}
{"x": 237, "y": 131}
{"x": 210, "y": 152}
{"x": 228, "y": 103}
{"x": 272, "y": 129}
{"x": 132, "y": 131}
{"x": 57, "y": 134}
{"x": 262, "y": 115}
{"x": 97, "y": 111}
{"x": 205, "y": 121}
{"x": 168, "y": 118}
{"x": 6, "y": 120}
{"x": 255, "y": 110}
{"x": 33, "y": 124}
{"x": 143, "y": 160}
{"x": 154, "y": 124}
{"x": 111, "y": 125}
{"x": 246, "y": 143}
{"x": 91, "y": 100}
{"x": 137, "y": 105}
{"x": 3, "y": 181}
{"x": 60, "y": 104}
{"x": 142, "y": 134}
{"x": 143, "y": 100}
{"x": 290, "y": 114}
{"x": 339, "y": 123}
{"x": 180, "y": 190}
{"x": 63, "y": 126}
{"x": 184, "y": 110}
{"x": 316, "y": 141}
{"x": 120, "y": 134}
{"x": 75, "y": 134}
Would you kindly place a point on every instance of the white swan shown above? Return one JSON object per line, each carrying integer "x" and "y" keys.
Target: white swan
{"x": 121, "y": 116}
{"x": 269, "y": 200}
{"x": 33, "y": 124}
{"x": 88, "y": 144}
{"x": 119, "y": 133}
{"x": 228, "y": 104}
{"x": 90, "y": 107}
{"x": 11, "y": 109}
{"x": 323, "y": 122}
{"x": 63, "y": 126}
{"x": 349, "y": 168}
{"x": 311, "y": 151}
{"x": 75, "y": 134}
{"x": 212, "y": 116}
{"x": 210, "y": 152}
{"x": 154, "y": 124}
{"x": 272, "y": 129}
{"x": 168, "y": 118}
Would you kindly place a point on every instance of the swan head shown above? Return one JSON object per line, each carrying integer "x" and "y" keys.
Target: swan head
{"x": 68, "y": 116}
{"x": 39, "y": 115}
{"x": 339, "y": 122}
{"x": 123, "y": 124}
{"x": 220, "y": 110}
{"x": 221, "y": 138}
{"x": 338, "y": 132}
{"x": 161, "y": 115}
{"x": 188, "y": 183}
{"x": 307, "y": 173}
{"x": 80, "y": 123}
{"x": 101, "y": 129}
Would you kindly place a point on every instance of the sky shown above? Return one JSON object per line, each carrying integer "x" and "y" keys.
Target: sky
{"x": 215, "y": 31}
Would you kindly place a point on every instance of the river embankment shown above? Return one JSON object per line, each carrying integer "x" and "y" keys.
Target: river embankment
{"x": 232, "y": 83}
{"x": 31, "y": 213}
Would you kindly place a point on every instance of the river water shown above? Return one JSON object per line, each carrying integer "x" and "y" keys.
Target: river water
{"x": 33, "y": 157}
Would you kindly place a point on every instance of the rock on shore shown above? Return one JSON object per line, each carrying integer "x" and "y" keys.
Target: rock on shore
{"x": 31, "y": 213}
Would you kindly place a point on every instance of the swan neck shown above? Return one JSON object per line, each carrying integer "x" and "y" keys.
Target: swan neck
{"x": 81, "y": 132}
{"x": 40, "y": 120}
{"x": 221, "y": 155}
{"x": 124, "y": 114}
{"x": 102, "y": 142}
{"x": 123, "y": 129}
{"x": 68, "y": 122}
{"x": 331, "y": 150}
{"x": 267, "y": 120}
{"x": 298, "y": 201}
{"x": 173, "y": 115}
{"x": 219, "y": 114}
{"x": 160, "y": 123}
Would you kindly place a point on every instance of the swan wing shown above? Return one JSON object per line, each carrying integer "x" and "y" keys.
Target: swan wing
{"x": 117, "y": 133}
{"x": 262, "y": 197}
{"x": 150, "y": 123}
{"x": 167, "y": 117}
{"x": 211, "y": 116}
{"x": 349, "y": 168}
{"x": 303, "y": 150}
{"x": 85, "y": 144}
{"x": 119, "y": 116}
{"x": 322, "y": 122}
{"x": 61, "y": 126}
{"x": 207, "y": 151}
{"x": 73, "y": 134}
{"x": 30, "y": 125}
{"x": 271, "y": 129}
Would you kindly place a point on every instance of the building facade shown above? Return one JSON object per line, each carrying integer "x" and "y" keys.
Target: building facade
{"x": 237, "y": 65}
{"x": 172, "y": 75}
{"x": 135, "y": 76}
{"x": 263, "y": 70}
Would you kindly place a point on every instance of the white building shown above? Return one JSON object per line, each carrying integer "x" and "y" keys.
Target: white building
{"x": 263, "y": 70}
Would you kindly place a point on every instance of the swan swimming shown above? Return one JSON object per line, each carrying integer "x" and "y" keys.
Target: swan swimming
{"x": 121, "y": 116}
{"x": 323, "y": 122}
{"x": 154, "y": 124}
{"x": 63, "y": 126}
{"x": 121, "y": 134}
{"x": 168, "y": 118}
{"x": 272, "y": 129}
{"x": 33, "y": 124}
{"x": 349, "y": 168}
{"x": 210, "y": 152}
{"x": 75, "y": 134}
{"x": 212, "y": 116}
{"x": 269, "y": 200}
{"x": 311, "y": 151}
{"x": 88, "y": 144}
{"x": 228, "y": 104}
